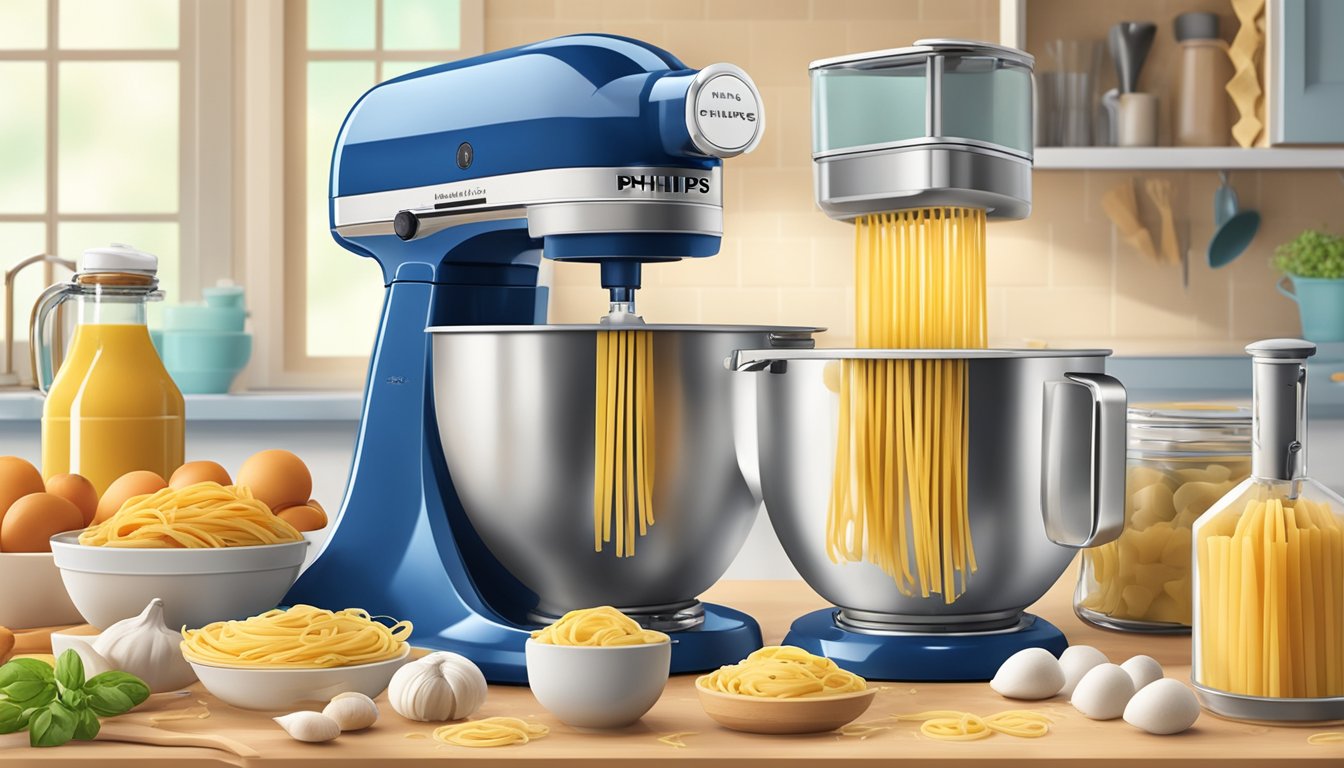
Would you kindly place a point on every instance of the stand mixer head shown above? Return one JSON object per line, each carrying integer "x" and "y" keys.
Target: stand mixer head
{"x": 457, "y": 179}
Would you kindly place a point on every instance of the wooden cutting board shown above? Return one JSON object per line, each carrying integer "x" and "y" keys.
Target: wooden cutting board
{"x": 1074, "y": 739}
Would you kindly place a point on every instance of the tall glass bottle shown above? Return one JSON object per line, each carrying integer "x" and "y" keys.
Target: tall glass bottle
{"x": 111, "y": 408}
{"x": 1269, "y": 576}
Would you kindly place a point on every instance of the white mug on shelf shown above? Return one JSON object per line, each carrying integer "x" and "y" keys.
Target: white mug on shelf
{"x": 1137, "y": 123}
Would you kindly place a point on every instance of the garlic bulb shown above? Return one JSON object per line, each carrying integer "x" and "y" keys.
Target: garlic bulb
{"x": 312, "y": 727}
{"x": 147, "y": 649}
{"x": 352, "y": 711}
{"x": 438, "y": 687}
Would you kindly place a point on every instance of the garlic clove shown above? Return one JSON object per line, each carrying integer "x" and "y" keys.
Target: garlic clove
{"x": 94, "y": 662}
{"x": 352, "y": 711}
{"x": 310, "y": 727}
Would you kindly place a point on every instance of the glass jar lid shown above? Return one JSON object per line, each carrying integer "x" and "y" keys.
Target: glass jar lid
{"x": 1171, "y": 429}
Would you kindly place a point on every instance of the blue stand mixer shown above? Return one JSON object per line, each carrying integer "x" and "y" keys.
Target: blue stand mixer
{"x": 457, "y": 179}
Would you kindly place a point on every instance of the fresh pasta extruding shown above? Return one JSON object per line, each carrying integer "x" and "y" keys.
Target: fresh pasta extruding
{"x": 301, "y": 637}
{"x": 1254, "y": 571}
{"x": 898, "y": 496}
{"x": 199, "y": 516}
{"x": 601, "y": 626}
{"x": 623, "y": 440}
{"x": 783, "y": 672}
{"x": 490, "y": 732}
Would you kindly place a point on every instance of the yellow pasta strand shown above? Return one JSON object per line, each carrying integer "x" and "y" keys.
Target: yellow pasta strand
{"x": 676, "y": 739}
{"x": 898, "y": 494}
{"x": 604, "y": 626}
{"x": 199, "y": 516}
{"x": 951, "y": 725}
{"x": 1271, "y": 591}
{"x": 1326, "y": 737}
{"x": 623, "y": 443}
{"x": 490, "y": 732}
{"x": 301, "y": 637}
{"x": 783, "y": 672}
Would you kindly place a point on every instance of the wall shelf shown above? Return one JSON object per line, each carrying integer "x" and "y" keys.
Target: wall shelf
{"x": 1187, "y": 158}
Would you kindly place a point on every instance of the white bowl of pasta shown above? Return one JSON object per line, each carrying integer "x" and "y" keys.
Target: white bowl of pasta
{"x": 598, "y": 686}
{"x": 284, "y": 659}
{"x": 197, "y": 586}
{"x": 274, "y": 689}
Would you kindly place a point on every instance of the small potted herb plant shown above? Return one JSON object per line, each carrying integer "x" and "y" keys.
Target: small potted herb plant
{"x": 1313, "y": 267}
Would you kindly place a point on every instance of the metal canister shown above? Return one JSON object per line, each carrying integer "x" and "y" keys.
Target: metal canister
{"x": 1182, "y": 458}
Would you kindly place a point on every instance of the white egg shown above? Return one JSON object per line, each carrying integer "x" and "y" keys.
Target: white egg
{"x": 1103, "y": 692}
{"x": 1031, "y": 673}
{"x": 1163, "y": 707}
{"x": 1142, "y": 670}
{"x": 1076, "y": 661}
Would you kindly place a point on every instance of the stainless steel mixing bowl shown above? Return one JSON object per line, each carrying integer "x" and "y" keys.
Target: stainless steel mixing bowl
{"x": 1046, "y": 475}
{"x": 515, "y": 409}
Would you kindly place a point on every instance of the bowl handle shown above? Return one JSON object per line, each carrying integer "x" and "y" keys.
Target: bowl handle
{"x": 1083, "y": 460}
{"x": 1284, "y": 284}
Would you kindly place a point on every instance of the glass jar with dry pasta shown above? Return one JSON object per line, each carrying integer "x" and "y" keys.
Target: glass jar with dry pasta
{"x": 1182, "y": 458}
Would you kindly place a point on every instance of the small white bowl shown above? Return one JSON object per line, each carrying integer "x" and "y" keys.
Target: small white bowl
{"x": 290, "y": 689}
{"x": 598, "y": 686}
{"x": 34, "y": 595}
{"x": 198, "y": 586}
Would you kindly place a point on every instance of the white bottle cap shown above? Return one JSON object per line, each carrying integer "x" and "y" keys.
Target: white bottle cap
{"x": 118, "y": 257}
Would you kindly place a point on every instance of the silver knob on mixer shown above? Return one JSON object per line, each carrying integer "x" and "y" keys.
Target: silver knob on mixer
{"x": 724, "y": 113}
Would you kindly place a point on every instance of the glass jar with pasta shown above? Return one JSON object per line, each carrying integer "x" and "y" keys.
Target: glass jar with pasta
{"x": 1183, "y": 457}
{"x": 1268, "y": 640}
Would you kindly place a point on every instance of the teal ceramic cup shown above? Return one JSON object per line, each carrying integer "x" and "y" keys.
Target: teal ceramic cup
{"x": 205, "y": 362}
{"x": 1320, "y": 301}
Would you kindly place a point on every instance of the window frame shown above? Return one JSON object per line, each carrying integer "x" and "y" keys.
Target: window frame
{"x": 205, "y": 138}
{"x": 273, "y": 56}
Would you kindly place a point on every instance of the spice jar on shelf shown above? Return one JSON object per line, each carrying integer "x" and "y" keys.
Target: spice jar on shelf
{"x": 1182, "y": 457}
{"x": 1269, "y": 576}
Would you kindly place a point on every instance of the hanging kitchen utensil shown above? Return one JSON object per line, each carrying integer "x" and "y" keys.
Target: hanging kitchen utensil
{"x": 1233, "y": 228}
{"x": 1159, "y": 191}
{"x": 1122, "y": 207}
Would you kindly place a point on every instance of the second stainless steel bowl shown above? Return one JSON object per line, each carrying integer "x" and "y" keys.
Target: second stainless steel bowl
{"x": 515, "y": 408}
{"x": 1046, "y": 475}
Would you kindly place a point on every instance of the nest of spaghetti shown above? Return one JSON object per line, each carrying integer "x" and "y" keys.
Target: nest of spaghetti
{"x": 204, "y": 515}
{"x": 783, "y": 689}
{"x": 300, "y": 637}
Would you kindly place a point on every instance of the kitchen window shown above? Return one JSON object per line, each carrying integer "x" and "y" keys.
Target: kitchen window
{"x": 334, "y": 51}
{"x": 104, "y": 115}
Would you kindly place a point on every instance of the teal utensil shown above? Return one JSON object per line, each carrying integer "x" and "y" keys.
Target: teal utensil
{"x": 1234, "y": 229}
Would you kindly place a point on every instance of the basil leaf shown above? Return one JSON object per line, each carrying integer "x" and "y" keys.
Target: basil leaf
{"x": 27, "y": 683}
{"x": 73, "y": 699}
{"x": 114, "y": 693}
{"x": 52, "y": 726}
{"x": 70, "y": 671}
{"x": 12, "y": 718}
{"x": 87, "y": 725}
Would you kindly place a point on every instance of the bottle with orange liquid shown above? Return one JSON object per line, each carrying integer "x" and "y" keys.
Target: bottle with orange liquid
{"x": 112, "y": 408}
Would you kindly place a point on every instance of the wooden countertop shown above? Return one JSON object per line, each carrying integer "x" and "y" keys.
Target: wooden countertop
{"x": 1073, "y": 738}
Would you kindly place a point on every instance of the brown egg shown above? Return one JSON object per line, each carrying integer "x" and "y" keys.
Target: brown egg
{"x": 18, "y": 478}
{"x": 34, "y": 519}
{"x": 313, "y": 503}
{"x": 77, "y": 490}
{"x": 194, "y": 472}
{"x": 279, "y": 479}
{"x": 304, "y": 517}
{"x": 138, "y": 483}
{"x": 6, "y": 644}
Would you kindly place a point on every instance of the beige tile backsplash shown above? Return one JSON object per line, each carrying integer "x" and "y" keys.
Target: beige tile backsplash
{"x": 1061, "y": 276}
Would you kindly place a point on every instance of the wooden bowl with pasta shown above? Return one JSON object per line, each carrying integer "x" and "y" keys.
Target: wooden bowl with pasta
{"x": 783, "y": 689}
{"x": 754, "y": 714}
